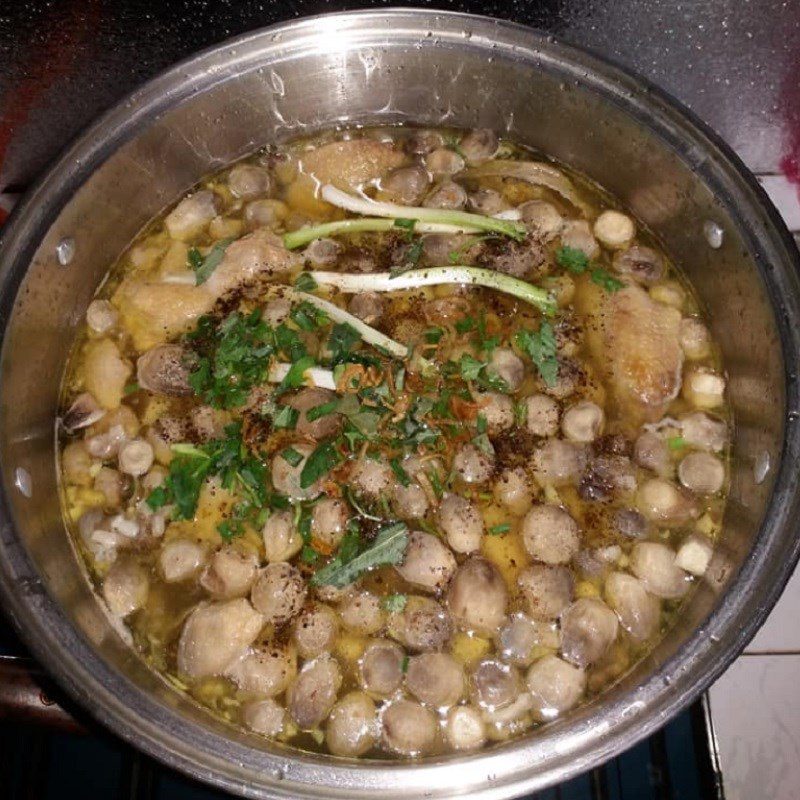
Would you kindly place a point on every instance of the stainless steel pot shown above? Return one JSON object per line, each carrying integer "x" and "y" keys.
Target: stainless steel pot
{"x": 389, "y": 67}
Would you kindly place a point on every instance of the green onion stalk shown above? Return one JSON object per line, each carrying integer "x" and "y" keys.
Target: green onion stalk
{"x": 369, "y": 334}
{"x": 302, "y": 236}
{"x": 460, "y": 219}
{"x": 436, "y": 276}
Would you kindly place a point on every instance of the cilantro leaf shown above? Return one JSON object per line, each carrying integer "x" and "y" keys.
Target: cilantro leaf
{"x": 324, "y": 458}
{"x": 308, "y": 317}
{"x": 351, "y": 542}
{"x": 414, "y": 253}
{"x": 606, "y": 280}
{"x": 194, "y": 259}
{"x": 470, "y": 367}
{"x": 204, "y": 266}
{"x": 436, "y": 483}
{"x": 466, "y": 324}
{"x": 484, "y": 444}
{"x": 405, "y": 224}
{"x": 411, "y": 257}
{"x": 322, "y": 410}
{"x": 541, "y": 347}
{"x": 305, "y": 282}
{"x": 399, "y": 472}
{"x": 572, "y": 259}
{"x": 433, "y": 335}
{"x": 230, "y": 357}
{"x": 286, "y": 417}
{"x": 388, "y": 547}
{"x": 296, "y": 376}
{"x": 240, "y": 472}
{"x": 308, "y": 555}
{"x": 394, "y": 603}
{"x": 496, "y": 530}
{"x": 342, "y": 340}
{"x": 288, "y": 342}
{"x": 291, "y": 456}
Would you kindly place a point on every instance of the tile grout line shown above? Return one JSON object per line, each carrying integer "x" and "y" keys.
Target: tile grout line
{"x": 751, "y": 653}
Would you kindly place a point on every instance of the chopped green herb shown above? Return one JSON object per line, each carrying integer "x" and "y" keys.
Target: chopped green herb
{"x": 204, "y": 267}
{"x": 490, "y": 381}
{"x": 291, "y": 456}
{"x": 433, "y": 335}
{"x": 572, "y": 259}
{"x": 322, "y": 410}
{"x": 541, "y": 347}
{"x": 496, "y": 530}
{"x": 289, "y": 343}
{"x": 158, "y": 498}
{"x": 352, "y": 436}
{"x": 406, "y": 224}
{"x": 342, "y": 340}
{"x": 131, "y": 387}
{"x": 484, "y": 444}
{"x": 194, "y": 259}
{"x": 319, "y": 463}
{"x": 441, "y": 408}
{"x": 286, "y": 418}
{"x": 413, "y": 429}
{"x": 404, "y": 663}
{"x": 520, "y": 413}
{"x": 296, "y": 376}
{"x": 303, "y": 516}
{"x": 436, "y": 483}
{"x": 230, "y": 357}
{"x": 605, "y": 280}
{"x": 465, "y": 325}
{"x": 308, "y": 555}
{"x": 388, "y": 547}
{"x": 305, "y": 282}
{"x": 414, "y": 252}
{"x": 411, "y": 257}
{"x": 363, "y": 418}
{"x": 351, "y": 541}
{"x": 239, "y": 470}
{"x": 470, "y": 367}
{"x": 399, "y": 472}
{"x": 487, "y": 344}
{"x": 676, "y": 442}
{"x": 230, "y": 528}
{"x": 308, "y": 317}
{"x": 394, "y": 603}
{"x": 481, "y": 423}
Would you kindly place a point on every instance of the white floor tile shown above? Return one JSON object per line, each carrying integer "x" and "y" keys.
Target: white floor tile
{"x": 781, "y": 631}
{"x": 785, "y": 197}
{"x": 755, "y": 707}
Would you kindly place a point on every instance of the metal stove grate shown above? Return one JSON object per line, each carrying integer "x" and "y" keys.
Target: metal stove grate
{"x": 46, "y": 755}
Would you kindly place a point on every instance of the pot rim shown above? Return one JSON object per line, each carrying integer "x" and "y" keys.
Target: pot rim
{"x": 508, "y": 769}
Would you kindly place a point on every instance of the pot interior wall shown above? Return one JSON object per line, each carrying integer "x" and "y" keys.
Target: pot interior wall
{"x": 149, "y": 162}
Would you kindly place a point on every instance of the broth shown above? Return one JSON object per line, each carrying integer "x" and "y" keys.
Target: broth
{"x": 394, "y": 442}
